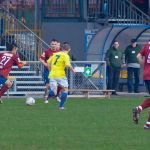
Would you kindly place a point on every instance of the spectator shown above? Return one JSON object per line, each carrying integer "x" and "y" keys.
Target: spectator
{"x": 114, "y": 61}
{"x": 133, "y": 66}
{"x": 23, "y": 20}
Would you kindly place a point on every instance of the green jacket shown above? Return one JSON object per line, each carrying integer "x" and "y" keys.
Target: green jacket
{"x": 114, "y": 57}
{"x": 131, "y": 53}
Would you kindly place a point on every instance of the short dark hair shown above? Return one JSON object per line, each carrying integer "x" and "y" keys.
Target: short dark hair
{"x": 11, "y": 46}
{"x": 66, "y": 46}
{"x": 133, "y": 40}
{"x": 54, "y": 40}
{"x": 115, "y": 41}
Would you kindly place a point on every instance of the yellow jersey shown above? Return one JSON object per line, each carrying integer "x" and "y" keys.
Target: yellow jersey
{"x": 58, "y": 63}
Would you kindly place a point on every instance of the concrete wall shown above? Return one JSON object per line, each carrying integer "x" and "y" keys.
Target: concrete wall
{"x": 70, "y": 32}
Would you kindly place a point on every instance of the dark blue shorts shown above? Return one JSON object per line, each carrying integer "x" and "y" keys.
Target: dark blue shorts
{"x": 2, "y": 80}
{"x": 45, "y": 76}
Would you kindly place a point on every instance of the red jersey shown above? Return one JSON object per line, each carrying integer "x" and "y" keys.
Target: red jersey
{"x": 7, "y": 60}
{"x": 146, "y": 53}
{"x": 48, "y": 53}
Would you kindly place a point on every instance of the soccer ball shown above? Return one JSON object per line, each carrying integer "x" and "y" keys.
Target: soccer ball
{"x": 30, "y": 101}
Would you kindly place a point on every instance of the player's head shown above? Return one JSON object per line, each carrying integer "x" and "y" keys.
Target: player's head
{"x": 58, "y": 45}
{"x": 54, "y": 44}
{"x": 12, "y": 48}
{"x": 66, "y": 47}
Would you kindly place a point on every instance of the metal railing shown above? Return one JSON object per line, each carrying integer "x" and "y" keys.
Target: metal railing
{"x": 61, "y": 8}
{"x": 118, "y": 11}
{"x": 29, "y": 42}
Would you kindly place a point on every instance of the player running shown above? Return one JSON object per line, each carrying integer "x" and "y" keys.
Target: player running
{"x": 7, "y": 60}
{"x": 57, "y": 64}
{"x": 144, "y": 59}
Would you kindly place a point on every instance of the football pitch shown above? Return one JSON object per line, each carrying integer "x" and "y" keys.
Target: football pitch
{"x": 85, "y": 124}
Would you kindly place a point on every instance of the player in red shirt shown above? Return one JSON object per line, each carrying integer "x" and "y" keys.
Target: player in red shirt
{"x": 43, "y": 59}
{"x": 144, "y": 59}
{"x": 7, "y": 60}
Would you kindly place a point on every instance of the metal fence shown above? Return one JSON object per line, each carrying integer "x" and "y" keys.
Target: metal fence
{"x": 61, "y": 8}
{"x": 29, "y": 81}
{"x": 118, "y": 11}
{"x": 29, "y": 42}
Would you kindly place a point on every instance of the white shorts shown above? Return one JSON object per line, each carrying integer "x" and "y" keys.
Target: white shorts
{"x": 54, "y": 82}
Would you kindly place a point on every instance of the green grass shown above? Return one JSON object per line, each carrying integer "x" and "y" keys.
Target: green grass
{"x": 87, "y": 124}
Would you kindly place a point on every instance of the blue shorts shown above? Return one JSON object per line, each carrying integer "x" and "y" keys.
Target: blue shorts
{"x": 45, "y": 76}
{"x": 2, "y": 80}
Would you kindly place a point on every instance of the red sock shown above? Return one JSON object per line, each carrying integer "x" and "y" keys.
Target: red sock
{"x": 3, "y": 90}
{"x": 146, "y": 103}
{"x": 58, "y": 90}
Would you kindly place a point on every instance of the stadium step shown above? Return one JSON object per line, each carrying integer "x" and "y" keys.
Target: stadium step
{"x": 24, "y": 73}
{"x": 23, "y": 68}
{"x": 28, "y": 78}
{"x": 29, "y": 82}
{"x": 30, "y": 87}
{"x": 144, "y": 37}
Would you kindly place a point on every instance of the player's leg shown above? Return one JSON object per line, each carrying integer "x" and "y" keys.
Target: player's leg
{"x": 64, "y": 93}
{"x": 145, "y": 104}
{"x": 147, "y": 124}
{"x": 63, "y": 98}
{"x": 59, "y": 89}
{"x": 4, "y": 87}
{"x": 47, "y": 86}
{"x": 53, "y": 88}
{"x": 46, "y": 92}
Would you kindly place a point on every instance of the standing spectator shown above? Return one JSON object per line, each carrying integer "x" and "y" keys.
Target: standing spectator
{"x": 114, "y": 61}
{"x": 43, "y": 59}
{"x": 144, "y": 59}
{"x": 23, "y": 20}
{"x": 133, "y": 66}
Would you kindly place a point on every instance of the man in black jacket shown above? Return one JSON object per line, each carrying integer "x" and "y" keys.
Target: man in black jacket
{"x": 133, "y": 66}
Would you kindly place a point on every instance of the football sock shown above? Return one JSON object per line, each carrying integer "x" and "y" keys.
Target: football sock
{"x": 148, "y": 121}
{"x": 145, "y": 104}
{"x": 63, "y": 98}
{"x": 46, "y": 92}
{"x": 3, "y": 90}
{"x": 148, "y": 118}
{"x": 58, "y": 90}
{"x": 51, "y": 93}
{"x": 139, "y": 108}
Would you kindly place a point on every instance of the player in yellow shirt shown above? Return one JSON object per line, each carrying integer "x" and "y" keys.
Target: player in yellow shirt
{"x": 57, "y": 64}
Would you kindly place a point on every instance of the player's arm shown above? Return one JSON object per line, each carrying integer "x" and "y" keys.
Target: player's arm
{"x": 141, "y": 55}
{"x": 140, "y": 58}
{"x": 19, "y": 63}
{"x": 70, "y": 67}
{"x": 68, "y": 64}
{"x": 49, "y": 61}
{"x": 42, "y": 59}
